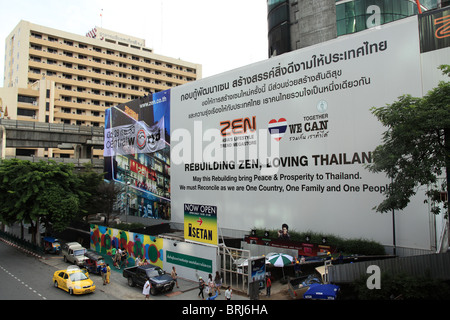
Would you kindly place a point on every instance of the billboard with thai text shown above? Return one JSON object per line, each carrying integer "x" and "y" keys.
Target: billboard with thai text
{"x": 287, "y": 140}
{"x": 137, "y": 154}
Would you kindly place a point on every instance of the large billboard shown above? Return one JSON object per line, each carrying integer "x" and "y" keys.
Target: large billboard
{"x": 287, "y": 140}
{"x": 137, "y": 154}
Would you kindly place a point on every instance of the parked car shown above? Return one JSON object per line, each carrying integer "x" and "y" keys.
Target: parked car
{"x": 322, "y": 292}
{"x": 73, "y": 252}
{"x": 313, "y": 286}
{"x": 73, "y": 280}
{"x": 160, "y": 281}
{"x": 298, "y": 286}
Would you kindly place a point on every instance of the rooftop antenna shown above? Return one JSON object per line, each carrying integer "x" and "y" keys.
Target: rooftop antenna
{"x": 101, "y": 18}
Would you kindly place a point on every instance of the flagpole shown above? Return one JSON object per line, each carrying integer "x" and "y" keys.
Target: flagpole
{"x": 418, "y": 6}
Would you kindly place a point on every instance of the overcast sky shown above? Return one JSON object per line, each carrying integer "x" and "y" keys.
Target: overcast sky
{"x": 219, "y": 35}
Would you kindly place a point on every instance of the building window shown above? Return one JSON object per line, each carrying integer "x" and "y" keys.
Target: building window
{"x": 25, "y": 152}
{"x": 358, "y": 15}
{"x": 31, "y": 100}
{"x": 26, "y": 112}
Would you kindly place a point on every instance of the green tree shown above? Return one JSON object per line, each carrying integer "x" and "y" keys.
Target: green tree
{"x": 107, "y": 193}
{"x": 91, "y": 180}
{"x": 416, "y": 146}
{"x": 38, "y": 192}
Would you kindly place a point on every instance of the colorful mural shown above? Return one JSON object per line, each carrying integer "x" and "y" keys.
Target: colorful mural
{"x": 104, "y": 239}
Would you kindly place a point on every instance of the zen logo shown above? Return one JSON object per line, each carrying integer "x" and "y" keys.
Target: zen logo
{"x": 374, "y": 280}
{"x": 444, "y": 30}
{"x": 238, "y": 126}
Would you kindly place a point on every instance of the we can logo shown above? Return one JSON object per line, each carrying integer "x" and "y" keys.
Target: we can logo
{"x": 444, "y": 30}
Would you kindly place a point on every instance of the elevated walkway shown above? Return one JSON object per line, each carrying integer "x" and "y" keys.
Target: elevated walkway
{"x": 28, "y": 134}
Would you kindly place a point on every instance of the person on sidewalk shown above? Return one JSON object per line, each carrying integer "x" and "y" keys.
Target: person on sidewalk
{"x": 174, "y": 276}
{"x": 104, "y": 272}
{"x": 146, "y": 289}
{"x": 228, "y": 293}
{"x": 211, "y": 296}
{"x": 218, "y": 281}
{"x": 268, "y": 286}
{"x": 210, "y": 284}
{"x": 108, "y": 273}
{"x": 117, "y": 258}
{"x": 201, "y": 286}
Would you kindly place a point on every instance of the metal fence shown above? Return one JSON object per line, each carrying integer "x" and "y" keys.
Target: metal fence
{"x": 435, "y": 266}
{"x": 23, "y": 243}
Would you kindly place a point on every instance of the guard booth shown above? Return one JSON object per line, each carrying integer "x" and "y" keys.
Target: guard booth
{"x": 234, "y": 267}
{"x": 241, "y": 271}
{"x": 257, "y": 276}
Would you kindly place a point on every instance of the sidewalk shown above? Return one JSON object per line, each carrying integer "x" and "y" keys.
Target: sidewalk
{"x": 279, "y": 291}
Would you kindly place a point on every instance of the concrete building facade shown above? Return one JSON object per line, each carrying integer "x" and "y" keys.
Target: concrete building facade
{"x": 59, "y": 77}
{"x": 296, "y": 24}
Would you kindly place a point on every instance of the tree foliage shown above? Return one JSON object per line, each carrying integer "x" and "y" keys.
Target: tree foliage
{"x": 416, "y": 146}
{"x": 38, "y": 192}
{"x": 107, "y": 193}
{"x": 89, "y": 188}
{"x": 403, "y": 287}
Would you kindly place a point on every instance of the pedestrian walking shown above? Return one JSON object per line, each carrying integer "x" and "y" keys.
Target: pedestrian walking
{"x": 117, "y": 258}
{"x": 297, "y": 268}
{"x": 146, "y": 289}
{"x": 228, "y": 293}
{"x": 174, "y": 276}
{"x": 218, "y": 281}
{"x": 124, "y": 257}
{"x": 210, "y": 286}
{"x": 268, "y": 286}
{"x": 201, "y": 286}
{"x": 108, "y": 273}
{"x": 103, "y": 271}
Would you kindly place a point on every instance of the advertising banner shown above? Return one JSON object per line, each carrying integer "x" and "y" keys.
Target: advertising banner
{"x": 137, "y": 154}
{"x": 188, "y": 261}
{"x": 257, "y": 271}
{"x": 286, "y": 141}
{"x": 134, "y": 138}
{"x": 200, "y": 223}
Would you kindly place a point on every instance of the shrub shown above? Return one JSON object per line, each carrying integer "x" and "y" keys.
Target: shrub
{"x": 403, "y": 287}
{"x": 348, "y": 246}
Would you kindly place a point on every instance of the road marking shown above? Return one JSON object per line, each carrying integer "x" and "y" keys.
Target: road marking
{"x": 26, "y": 285}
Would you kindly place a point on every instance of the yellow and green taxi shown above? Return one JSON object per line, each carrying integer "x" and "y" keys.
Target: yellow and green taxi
{"x": 73, "y": 280}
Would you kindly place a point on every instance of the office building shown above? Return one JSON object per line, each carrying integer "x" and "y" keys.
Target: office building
{"x": 59, "y": 77}
{"x": 296, "y": 24}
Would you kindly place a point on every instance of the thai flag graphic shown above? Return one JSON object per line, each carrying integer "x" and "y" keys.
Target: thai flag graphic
{"x": 277, "y": 128}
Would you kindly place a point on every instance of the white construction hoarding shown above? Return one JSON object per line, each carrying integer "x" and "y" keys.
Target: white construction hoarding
{"x": 287, "y": 140}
